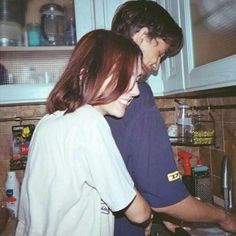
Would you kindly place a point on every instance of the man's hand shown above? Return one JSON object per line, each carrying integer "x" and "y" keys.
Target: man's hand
{"x": 229, "y": 223}
{"x": 170, "y": 226}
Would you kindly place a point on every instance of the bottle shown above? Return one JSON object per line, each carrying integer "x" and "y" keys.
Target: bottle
{"x": 186, "y": 177}
{"x": 12, "y": 193}
{"x": 70, "y": 32}
{"x": 184, "y": 123}
{"x": 32, "y": 77}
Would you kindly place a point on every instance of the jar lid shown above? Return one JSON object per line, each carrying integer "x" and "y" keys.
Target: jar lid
{"x": 52, "y": 8}
{"x": 184, "y": 105}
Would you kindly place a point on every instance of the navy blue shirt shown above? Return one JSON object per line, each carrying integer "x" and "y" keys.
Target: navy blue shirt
{"x": 142, "y": 139}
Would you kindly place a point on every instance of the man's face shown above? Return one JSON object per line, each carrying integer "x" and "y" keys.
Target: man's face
{"x": 153, "y": 51}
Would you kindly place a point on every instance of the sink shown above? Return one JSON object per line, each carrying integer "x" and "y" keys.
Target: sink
{"x": 206, "y": 230}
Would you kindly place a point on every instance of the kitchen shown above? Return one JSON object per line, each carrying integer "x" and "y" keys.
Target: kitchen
{"x": 219, "y": 98}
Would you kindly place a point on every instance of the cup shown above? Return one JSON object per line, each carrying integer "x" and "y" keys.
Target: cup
{"x": 34, "y": 34}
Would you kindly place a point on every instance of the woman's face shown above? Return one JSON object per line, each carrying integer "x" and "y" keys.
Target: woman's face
{"x": 117, "y": 108}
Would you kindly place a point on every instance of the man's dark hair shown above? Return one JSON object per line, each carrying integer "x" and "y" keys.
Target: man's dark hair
{"x": 132, "y": 16}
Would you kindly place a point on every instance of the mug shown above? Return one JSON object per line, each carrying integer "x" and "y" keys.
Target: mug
{"x": 34, "y": 34}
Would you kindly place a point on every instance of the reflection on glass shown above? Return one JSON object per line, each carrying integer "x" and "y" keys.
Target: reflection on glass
{"x": 214, "y": 29}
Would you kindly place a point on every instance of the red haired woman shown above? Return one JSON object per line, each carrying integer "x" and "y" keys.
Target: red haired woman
{"x": 75, "y": 176}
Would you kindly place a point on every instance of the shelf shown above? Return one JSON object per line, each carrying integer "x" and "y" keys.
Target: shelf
{"x": 190, "y": 144}
{"x": 24, "y": 93}
{"x": 204, "y": 141}
{"x": 40, "y": 48}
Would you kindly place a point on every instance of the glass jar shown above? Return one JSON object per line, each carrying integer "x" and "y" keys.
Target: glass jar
{"x": 203, "y": 132}
{"x": 184, "y": 123}
{"x": 53, "y": 24}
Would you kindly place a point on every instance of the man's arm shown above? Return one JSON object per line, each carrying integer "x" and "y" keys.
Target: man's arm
{"x": 192, "y": 210}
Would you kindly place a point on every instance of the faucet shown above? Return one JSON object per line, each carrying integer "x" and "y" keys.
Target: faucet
{"x": 227, "y": 183}
{"x": 226, "y": 179}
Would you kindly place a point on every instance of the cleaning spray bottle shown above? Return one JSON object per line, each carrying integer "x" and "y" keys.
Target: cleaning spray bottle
{"x": 186, "y": 178}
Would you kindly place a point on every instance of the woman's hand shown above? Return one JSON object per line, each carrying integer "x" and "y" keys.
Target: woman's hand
{"x": 148, "y": 228}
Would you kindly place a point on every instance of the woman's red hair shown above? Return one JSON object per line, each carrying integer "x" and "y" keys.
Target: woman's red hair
{"x": 98, "y": 55}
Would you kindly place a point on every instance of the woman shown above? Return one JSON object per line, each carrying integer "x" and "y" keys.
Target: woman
{"x": 75, "y": 175}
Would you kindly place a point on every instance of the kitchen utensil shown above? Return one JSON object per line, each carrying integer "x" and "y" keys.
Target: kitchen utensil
{"x": 53, "y": 24}
{"x": 34, "y": 34}
{"x": 10, "y": 33}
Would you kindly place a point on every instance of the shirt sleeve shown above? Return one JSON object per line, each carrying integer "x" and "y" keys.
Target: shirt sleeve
{"x": 147, "y": 151}
{"x": 109, "y": 173}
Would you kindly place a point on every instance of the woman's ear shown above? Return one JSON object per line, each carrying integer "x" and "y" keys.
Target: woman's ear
{"x": 140, "y": 35}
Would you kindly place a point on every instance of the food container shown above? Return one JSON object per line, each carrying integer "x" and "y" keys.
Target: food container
{"x": 203, "y": 132}
{"x": 184, "y": 123}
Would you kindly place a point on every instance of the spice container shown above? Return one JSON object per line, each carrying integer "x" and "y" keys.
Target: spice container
{"x": 184, "y": 123}
{"x": 203, "y": 130}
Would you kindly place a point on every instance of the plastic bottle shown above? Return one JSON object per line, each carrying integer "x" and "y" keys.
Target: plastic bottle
{"x": 70, "y": 32}
{"x": 186, "y": 156}
{"x": 12, "y": 193}
{"x": 187, "y": 176}
{"x": 33, "y": 77}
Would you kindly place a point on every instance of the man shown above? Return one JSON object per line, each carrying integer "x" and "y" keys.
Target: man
{"x": 141, "y": 135}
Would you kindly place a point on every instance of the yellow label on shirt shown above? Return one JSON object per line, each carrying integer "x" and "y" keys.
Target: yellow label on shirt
{"x": 173, "y": 176}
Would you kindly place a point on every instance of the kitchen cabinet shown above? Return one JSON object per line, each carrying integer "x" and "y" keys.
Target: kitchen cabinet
{"x": 22, "y": 64}
{"x": 215, "y": 74}
{"x": 181, "y": 73}
{"x": 171, "y": 71}
{"x": 32, "y": 71}
{"x": 22, "y": 87}
{"x": 94, "y": 14}
{"x": 176, "y": 75}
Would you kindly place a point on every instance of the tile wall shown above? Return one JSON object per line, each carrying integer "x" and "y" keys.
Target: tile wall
{"x": 8, "y": 116}
{"x": 225, "y": 127}
{"x": 225, "y": 120}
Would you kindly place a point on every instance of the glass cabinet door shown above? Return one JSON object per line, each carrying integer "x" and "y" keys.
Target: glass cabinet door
{"x": 209, "y": 50}
{"x": 34, "y": 54}
{"x": 213, "y": 30}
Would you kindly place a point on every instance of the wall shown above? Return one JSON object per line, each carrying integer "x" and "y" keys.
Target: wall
{"x": 7, "y": 116}
{"x": 225, "y": 131}
{"x": 225, "y": 125}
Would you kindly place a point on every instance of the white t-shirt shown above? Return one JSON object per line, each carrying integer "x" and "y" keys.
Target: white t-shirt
{"x": 75, "y": 177}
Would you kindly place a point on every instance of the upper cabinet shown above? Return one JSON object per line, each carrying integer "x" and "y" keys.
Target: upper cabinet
{"x": 36, "y": 41}
{"x": 208, "y": 57}
{"x": 210, "y": 49}
{"x": 170, "y": 75}
{"x": 33, "y": 65}
{"x": 94, "y": 14}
